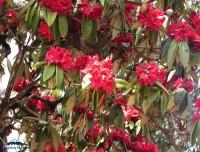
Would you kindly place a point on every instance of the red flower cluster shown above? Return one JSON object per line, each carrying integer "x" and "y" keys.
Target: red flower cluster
{"x": 90, "y": 115}
{"x": 135, "y": 146}
{"x": 90, "y": 10}
{"x": 131, "y": 112}
{"x": 81, "y": 109}
{"x": 195, "y": 20}
{"x": 120, "y": 102}
{"x": 152, "y": 17}
{"x": 60, "y": 6}
{"x": 128, "y": 38}
{"x": 21, "y": 83}
{"x": 1, "y": 3}
{"x": 59, "y": 56}
{"x": 46, "y": 32}
{"x": 102, "y": 75}
{"x": 197, "y": 104}
{"x": 95, "y": 150}
{"x": 40, "y": 105}
{"x": 180, "y": 31}
{"x": 49, "y": 148}
{"x": 95, "y": 132}
{"x": 187, "y": 84}
{"x": 149, "y": 74}
{"x": 80, "y": 62}
{"x": 129, "y": 9}
{"x": 13, "y": 19}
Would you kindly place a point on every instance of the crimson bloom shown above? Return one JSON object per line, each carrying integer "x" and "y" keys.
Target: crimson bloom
{"x": 180, "y": 31}
{"x": 13, "y": 19}
{"x": 44, "y": 106}
{"x": 102, "y": 75}
{"x": 127, "y": 38}
{"x": 21, "y": 83}
{"x": 149, "y": 74}
{"x": 131, "y": 112}
{"x": 120, "y": 101}
{"x": 1, "y": 3}
{"x": 49, "y": 148}
{"x": 90, "y": 10}
{"x": 59, "y": 56}
{"x": 46, "y": 32}
{"x": 62, "y": 7}
{"x": 152, "y": 17}
{"x": 187, "y": 84}
{"x": 95, "y": 132}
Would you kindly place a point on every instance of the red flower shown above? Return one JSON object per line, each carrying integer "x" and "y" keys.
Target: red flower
{"x": 90, "y": 10}
{"x": 59, "y": 56}
{"x": 81, "y": 109}
{"x": 59, "y": 120}
{"x": 90, "y": 115}
{"x": 21, "y": 83}
{"x": 131, "y": 112}
{"x": 13, "y": 19}
{"x": 187, "y": 84}
{"x": 95, "y": 132}
{"x": 144, "y": 147}
{"x": 80, "y": 62}
{"x": 128, "y": 38}
{"x": 120, "y": 101}
{"x": 197, "y": 104}
{"x": 95, "y": 150}
{"x": 102, "y": 75}
{"x": 195, "y": 20}
{"x": 149, "y": 74}
{"x": 152, "y": 17}
{"x": 60, "y": 6}
{"x": 49, "y": 148}
{"x": 41, "y": 105}
{"x": 195, "y": 117}
{"x": 46, "y": 32}
{"x": 129, "y": 9}
{"x": 180, "y": 31}
{"x": 1, "y": 3}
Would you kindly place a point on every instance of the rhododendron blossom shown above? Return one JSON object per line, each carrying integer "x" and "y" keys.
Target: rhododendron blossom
{"x": 59, "y": 56}
{"x": 95, "y": 150}
{"x": 60, "y": 6}
{"x": 152, "y": 17}
{"x": 149, "y": 74}
{"x": 90, "y": 10}
{"x": 1, "y": 3}
{"x": 13, "y": 19}
{"x": 131, "y": 112}
{"x": 120, "y": 101}
{"x": 46, "y": 32}
{"x": 80, "y": 62}
{"x": 187, "y": 84}
{"x": 21, "y": 83}
{"x": 95, "y": 132}
{"x": 197, "y": 104}
{"x": 102, "y": 75}
{"x": 49, "y": 148}
{"x": 129, "y": 10}
{"x": 180, "y": 31}
{"x": 127, "y": 38}
{"x": 41, "y": 105}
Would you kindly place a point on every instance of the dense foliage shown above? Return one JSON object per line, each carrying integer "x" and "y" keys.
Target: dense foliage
{"x": 95, "y": 76}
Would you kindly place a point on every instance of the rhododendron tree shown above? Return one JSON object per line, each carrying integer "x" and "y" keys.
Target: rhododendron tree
{"x": 100, "y": 76}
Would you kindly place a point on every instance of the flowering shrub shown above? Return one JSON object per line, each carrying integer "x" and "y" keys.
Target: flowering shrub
{"x": 97, "y": 76}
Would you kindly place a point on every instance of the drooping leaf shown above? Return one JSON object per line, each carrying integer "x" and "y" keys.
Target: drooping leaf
{"x": 63, "y": 25}
{"x": 25, "y": 8}
{"x": 163, "y": 104}
{"x": 120, "y": 83}
{"x": 165, "y": 47}
{"x": 120, "y": 118}
{"x": 70, "y": 104}
{"x": 152, "y": 97}
{"x": 31, "y": 14}
{"x": 59, "y": 77}
{"x": 194, "y": 134}
{"x": 122, "y": 5}
{"x": 115, "y": 24}
{"x": 184, "y": 53}
{"x": 49, "y": 71}
{"x": 51, "y": 17}
{"x": 113, "y": 114}
{"x": 162, "y": 87}
{"x": 86, "y": 28}
{"x": 69, "y": 92}
{"x": 171, "y": 54}
{"x": 56, "y": 32}
{"x": 131, "y": 100}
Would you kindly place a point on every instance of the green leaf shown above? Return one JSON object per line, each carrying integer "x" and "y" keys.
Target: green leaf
{"x": 49, "y": 71}
{"x": 162, "y": 87}
{"x": 25, "y": 8}
{"x": 171, "y": 54}
{"x": 122, "y": 5}
{"x": 31, "y": 14}
{"x": 120, "y": 83}
{"x": 138, "y": 34}
{"x": 184, "y": 53}
{"x": 194, "y": 134}
{"x": 63, "y": 25}
{"x": 51, "y": 17}
{"x": 86, "y": 28}
{"x": 165, "y": 47}
{"x": 59, "y": 108}
{"x": 163, "y": 103}
{"x": 152, "y": 97}
{"x": 69, "y": 93}
{"x": 120, "y": 118}
{"x": 59, "y": 76}
{"x": 113, "y": 114}
{"x": 56, "y": 32}
{"x": 36, "y": 18}
{"x": 9, "y": 65}
{"x": 56, "y": 139}
{"x": 196, "y": 59}
{"x": 93, "y": 35}
{"x": 90, "y": 123}
{"x": 70, "y": 104}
